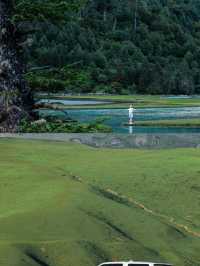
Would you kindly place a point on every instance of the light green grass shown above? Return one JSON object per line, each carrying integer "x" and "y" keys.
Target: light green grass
{"x": 67, "y": 204}
{"x": 170, "y": 123}
{"x": 123, "y": 101}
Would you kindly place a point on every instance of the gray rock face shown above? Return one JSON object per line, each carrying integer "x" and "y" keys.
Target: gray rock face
{"x": 138, "y": 141}
{"x": 15, "y": 97}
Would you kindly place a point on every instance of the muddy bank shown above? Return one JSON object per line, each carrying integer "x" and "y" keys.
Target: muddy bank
{"x": 151, "y": 141}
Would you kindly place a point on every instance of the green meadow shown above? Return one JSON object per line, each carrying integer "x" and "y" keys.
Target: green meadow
{"x": 187, "y": 122}
{"x": 64, "y": 204}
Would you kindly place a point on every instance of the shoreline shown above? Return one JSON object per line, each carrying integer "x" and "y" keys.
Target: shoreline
{"x": 123, "y": 101}
{"x": 115, "y": 140}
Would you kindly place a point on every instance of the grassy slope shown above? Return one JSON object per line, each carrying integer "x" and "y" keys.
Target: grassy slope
{"x": 123, "y": 101}
{"x": 56, "y": 209}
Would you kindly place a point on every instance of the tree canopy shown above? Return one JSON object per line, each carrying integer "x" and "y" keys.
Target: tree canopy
{"x": 114, "y": 46}
{"x": 42, "y": 10}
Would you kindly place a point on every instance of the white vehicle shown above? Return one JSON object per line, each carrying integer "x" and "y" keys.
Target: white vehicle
{"x": 133, "y": 263}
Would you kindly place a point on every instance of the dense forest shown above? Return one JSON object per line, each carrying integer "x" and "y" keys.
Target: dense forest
{"x": 114, "y": 46}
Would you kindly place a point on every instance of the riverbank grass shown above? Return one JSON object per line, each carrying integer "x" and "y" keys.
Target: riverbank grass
{"x": 169, "y": 123}
{"x": 123, "y": 101}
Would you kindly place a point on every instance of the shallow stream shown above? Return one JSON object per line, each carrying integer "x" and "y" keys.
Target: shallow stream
{"x": 117, "y": 117}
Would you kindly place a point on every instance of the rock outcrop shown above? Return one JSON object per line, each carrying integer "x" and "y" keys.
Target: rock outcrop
{"x": 15, "y": 97}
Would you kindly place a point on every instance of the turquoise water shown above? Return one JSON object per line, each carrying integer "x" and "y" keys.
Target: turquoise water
{"x": 117, "y": 117}
{"x": 72, "y": 102}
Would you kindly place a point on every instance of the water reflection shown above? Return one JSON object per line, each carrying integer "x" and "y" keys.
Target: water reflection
{"x": 130, "y": 129}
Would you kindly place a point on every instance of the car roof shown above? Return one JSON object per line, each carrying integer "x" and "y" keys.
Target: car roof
{"x": 136, "y": 262}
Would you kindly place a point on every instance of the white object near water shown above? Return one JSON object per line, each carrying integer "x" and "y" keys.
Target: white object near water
{"x": 130, "y": 113}
{"x": 133, "y": 263}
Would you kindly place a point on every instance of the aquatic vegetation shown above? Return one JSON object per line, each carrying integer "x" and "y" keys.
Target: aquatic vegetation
{"x": 59, "y": 126}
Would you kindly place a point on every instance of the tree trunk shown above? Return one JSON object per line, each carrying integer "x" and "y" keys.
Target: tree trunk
{"x": 114, "y": 24}
{"x": 135, "y": 15}
{"x": 15, "y": 97}
{"x": 104, "y": 15}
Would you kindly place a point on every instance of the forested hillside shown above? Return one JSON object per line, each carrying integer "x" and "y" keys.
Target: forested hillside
{"x": 116, "y": 46}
